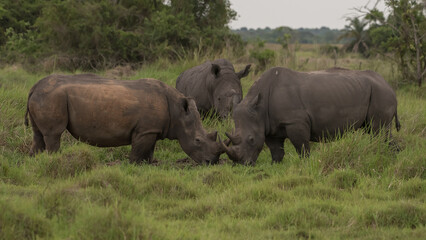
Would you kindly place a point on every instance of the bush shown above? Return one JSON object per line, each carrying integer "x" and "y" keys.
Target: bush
{"x": 329, "y": 50}
{"x": 98, "y": 34}
{"x": 264, "y": 57}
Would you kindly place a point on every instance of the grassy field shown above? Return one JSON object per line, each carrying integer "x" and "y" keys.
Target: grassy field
{"x": 353, "y": 188}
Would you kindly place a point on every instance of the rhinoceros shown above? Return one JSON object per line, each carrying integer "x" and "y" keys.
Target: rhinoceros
{"x": 214, "y": 85}
{"x": 109, "y": 113}
{"x": 308, "y": 106}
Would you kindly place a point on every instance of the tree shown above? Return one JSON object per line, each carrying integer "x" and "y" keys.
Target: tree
{"x": 95, "y": 34}
{"x": 401, "y": 36}
{"x": 404, "y": 34}
{"x": 357, "y": 34}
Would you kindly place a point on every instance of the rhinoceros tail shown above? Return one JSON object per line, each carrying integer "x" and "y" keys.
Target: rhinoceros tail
{"x": 397, "y": 124}
{"x": 28, "y": 108}
{"x": 26, "y": 118}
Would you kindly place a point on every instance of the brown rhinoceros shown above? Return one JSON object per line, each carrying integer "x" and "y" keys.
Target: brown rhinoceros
{"x": 308, "y": 106}
{"x": 109, "y": 113}
{"x": 213, "y": 85}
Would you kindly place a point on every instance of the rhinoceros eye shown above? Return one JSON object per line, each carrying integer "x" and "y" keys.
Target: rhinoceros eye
{"x": 250, "y": 140}
{"x": 197, "y": 141}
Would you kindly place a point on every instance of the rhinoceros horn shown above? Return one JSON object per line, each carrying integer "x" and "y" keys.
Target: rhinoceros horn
{"x": 235, "y": 101}
{"x": 228, "y": 150}
{"x": 233, "y": 139}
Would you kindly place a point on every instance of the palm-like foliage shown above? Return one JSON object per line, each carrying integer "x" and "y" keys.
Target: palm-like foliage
{"x": 357, "y": 33}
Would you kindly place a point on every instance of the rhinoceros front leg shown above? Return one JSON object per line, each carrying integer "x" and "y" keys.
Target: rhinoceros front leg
{"x": 276, "y": 147}
{"x": 299, "y": 135}
{"x": 142, "y": 148}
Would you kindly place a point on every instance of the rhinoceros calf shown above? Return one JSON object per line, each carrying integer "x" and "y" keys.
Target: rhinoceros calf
{"x": 307, "y": 107}
{"x": 213, "y": 85}
{"x": 110, "y": 113}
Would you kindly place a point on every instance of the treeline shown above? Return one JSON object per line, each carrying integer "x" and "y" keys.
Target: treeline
{"x": 95, "y": 34}
{"x": 323, "y": 35}
{"x": 399, "y": 36}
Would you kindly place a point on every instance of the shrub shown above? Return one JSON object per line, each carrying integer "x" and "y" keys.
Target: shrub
{"x": 329, "y": 50}
{"x": 263, "y": 57}
{"x": 97, "y": 34}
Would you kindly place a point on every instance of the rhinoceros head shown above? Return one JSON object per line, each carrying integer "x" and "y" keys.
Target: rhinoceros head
{"x": 249, "y": 134}
{"x": 227, "y": 91}
{"x": 193, "y": 138}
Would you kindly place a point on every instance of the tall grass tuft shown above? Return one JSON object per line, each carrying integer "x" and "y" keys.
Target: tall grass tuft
{"x": 401, "y": 215}
{"x": 70, "y": 162}
{"x": 20, "y": 220}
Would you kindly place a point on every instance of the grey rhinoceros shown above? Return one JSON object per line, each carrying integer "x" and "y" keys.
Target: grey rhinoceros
{"x": 109, "y": 113}
{"x": 214, "y": 85}
{"x": 308, "y": 106}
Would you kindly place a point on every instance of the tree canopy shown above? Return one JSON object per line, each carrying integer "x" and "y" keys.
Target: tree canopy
{"x": 104, "y": 33}
{"x": 400, "y": 36}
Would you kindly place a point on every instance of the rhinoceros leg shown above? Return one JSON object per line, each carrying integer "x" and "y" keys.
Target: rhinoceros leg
{"x": 299, "y": 135}
{"x": 38, "y": 142}
{"x": 142, "y": 147}
{"x": 53, "y": 142}
{"x": 276, "y": 147}
{"x": 377, "y": 128}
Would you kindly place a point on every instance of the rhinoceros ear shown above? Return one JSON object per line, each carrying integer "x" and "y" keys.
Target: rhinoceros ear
{"x": 185, "y": 105}
{"x": 255, "y": 101}
{"x": 212, "y": 136}
{"x": 245, "y": 72}
{"x": 215, "y": 70}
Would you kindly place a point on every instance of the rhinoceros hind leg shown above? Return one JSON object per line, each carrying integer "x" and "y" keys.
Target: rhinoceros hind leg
{"x": 53, "y": 142}
{"x": 276, "y": 147}
{"x": 299, "y": 135}
{"x": 38, "y": 142}
{"x": 142, "y": 148}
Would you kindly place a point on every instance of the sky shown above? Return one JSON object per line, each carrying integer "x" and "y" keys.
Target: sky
{"x": 296, "y": 13}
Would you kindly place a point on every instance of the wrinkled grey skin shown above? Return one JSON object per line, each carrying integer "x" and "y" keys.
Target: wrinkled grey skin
{"x": 109, "y": 113}
{"x": 213, "y": 85}
{"x": 305, "y": 107}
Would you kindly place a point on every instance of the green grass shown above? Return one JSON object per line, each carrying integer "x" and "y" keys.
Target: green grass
{"x": 353, "y": 188}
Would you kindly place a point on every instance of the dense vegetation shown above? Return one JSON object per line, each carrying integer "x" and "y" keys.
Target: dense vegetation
{"x": 97, "y": 34}
{"x": 355, "y": 187}
{"x": 400, "y": 37}
{"x": 322, "y": 35}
